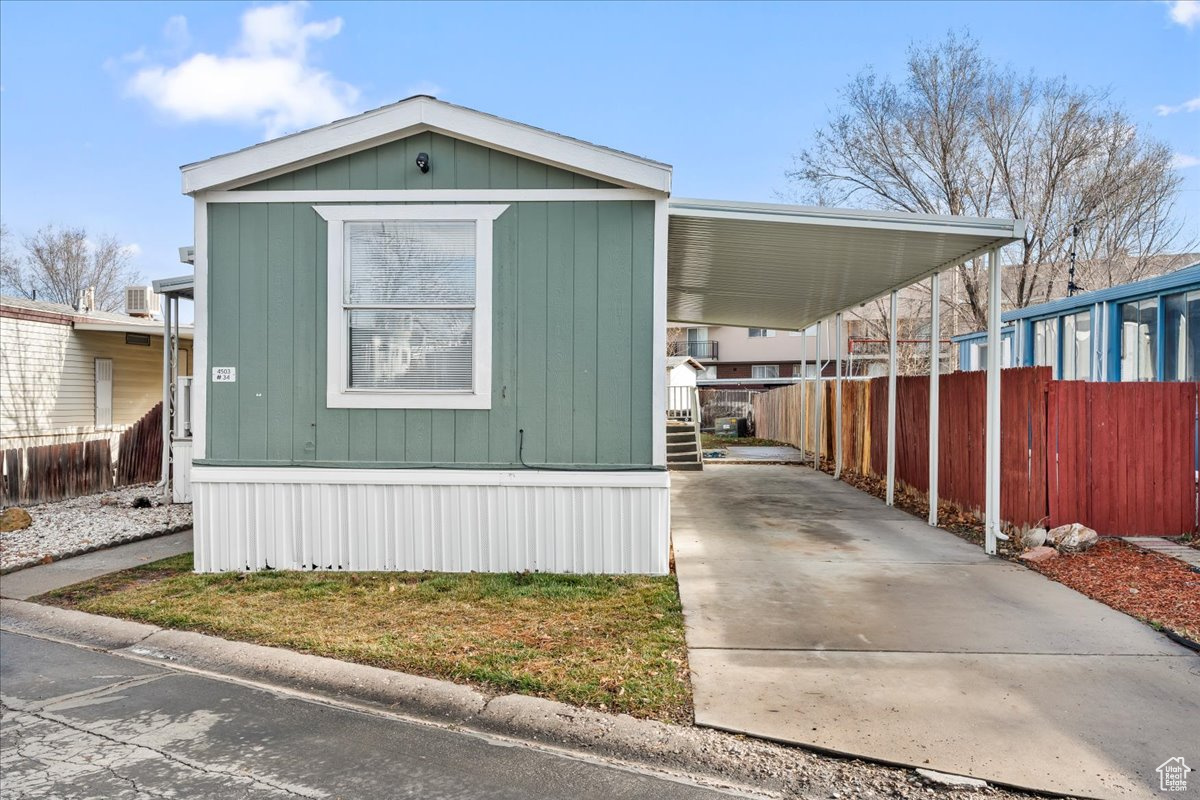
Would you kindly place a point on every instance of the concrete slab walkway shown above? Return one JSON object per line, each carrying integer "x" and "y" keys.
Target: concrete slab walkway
{"x": 32, "y": 581}
{"x": 817, "y": 615}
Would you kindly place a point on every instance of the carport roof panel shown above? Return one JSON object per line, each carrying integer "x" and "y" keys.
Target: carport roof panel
{"x": 786, "y": 267}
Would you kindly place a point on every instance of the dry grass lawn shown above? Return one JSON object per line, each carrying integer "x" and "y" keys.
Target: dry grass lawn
{"x": 610, "y": 643}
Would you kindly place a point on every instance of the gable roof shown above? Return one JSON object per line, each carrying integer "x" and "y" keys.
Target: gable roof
{"x": 416, "y": 115}
{"x": 675, "y": 361}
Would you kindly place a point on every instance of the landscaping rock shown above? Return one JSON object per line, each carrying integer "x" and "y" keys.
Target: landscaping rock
{"x": 14, "y": 519}
{"x": 1034, "y": 537}
{"x": 1073, "y": 538}
{"x": 80, "y": 524}
{"x": 1039, "y": 554}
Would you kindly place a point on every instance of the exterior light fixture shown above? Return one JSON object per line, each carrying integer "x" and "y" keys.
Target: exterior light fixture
{"x": 423, "y": 162}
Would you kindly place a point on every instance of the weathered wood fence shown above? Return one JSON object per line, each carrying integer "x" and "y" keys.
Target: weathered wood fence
{"x": 59, "y": 471}
{"x": 1121, "y": 458}
{"x": 139, "y": 458}
{"x": 54, "y": 472}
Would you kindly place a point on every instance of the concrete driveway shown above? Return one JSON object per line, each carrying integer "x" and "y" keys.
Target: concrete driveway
{"x": 817, "y": 615}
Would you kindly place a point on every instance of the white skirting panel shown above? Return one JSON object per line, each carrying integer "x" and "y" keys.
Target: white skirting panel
{"x": 181, "y": 475}
{"x": 249, "y": 518}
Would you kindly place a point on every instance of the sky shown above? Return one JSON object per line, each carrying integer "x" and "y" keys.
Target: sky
{"x": 100, "y": 103}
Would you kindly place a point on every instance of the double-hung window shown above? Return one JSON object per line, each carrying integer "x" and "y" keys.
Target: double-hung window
{"x": 764, "y": 371}
{"x": 409, "y": 305}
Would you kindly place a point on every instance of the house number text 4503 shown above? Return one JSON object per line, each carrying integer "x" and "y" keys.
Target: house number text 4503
{"x": 224, "y": 374}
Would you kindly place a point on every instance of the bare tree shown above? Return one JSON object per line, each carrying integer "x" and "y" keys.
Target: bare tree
{"x": 962, "y": 135}
{"x": 59, "y": 264}
{"x": 8, "y": 258}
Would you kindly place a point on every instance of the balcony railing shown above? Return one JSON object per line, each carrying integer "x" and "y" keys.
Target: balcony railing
{"x": 702, "y": 349}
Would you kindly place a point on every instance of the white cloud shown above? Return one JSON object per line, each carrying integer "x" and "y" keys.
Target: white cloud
{"x": 265, "y": 79}
{"x": 1185, "y": 12}
{"x": 1184, "y": 161}
{"x": 1186, "y": 105}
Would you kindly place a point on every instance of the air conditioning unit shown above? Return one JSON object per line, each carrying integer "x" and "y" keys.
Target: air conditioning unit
{"x": 141, "y": 301}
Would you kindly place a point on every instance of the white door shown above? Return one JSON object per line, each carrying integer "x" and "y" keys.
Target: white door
{"x": 104, "y": 380}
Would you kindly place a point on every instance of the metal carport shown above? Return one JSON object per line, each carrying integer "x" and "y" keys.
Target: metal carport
{"x": 790, "y": 267}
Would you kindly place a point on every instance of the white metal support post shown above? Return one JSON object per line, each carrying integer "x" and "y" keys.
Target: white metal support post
{"x": 803, "y": 390}
{"x": 891, "y": 401}
{"x": 935, "y": 370}
{"x": 165, "y": 482}
{"x": 838, "y": 341}
{"x": 818, "y": 405}
{"x": 991, "y": 511}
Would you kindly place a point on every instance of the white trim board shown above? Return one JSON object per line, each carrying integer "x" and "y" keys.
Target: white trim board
{"x": 337, "y": 393}
{"x": 200, "y": 329}
{"x": 658, "y": 401}
{"x": 646, "y": 479}
{"x": 431, "y": 195}
{"x": 417, "y": 115}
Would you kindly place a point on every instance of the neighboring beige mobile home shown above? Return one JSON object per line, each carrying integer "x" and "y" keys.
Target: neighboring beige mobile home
{"x": 68, "y": 376}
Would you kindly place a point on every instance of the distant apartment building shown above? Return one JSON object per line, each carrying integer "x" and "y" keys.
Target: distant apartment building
{"x": 760, "y": 358}
{"x": 749, "y": 357}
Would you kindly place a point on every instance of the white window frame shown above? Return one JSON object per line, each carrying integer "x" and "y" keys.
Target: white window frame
{"x": 338, "y": 393}
{"x": 767, "y": 333}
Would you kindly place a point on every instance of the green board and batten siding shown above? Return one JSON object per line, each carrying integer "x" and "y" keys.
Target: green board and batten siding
{"x": 573, "y": 337}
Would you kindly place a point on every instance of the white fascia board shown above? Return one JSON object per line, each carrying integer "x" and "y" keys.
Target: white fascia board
{"x": 1007, "y": 230}
{"x": 185, "y": 332}
{"x": 650, "y": 478}
{"x": 413, "y": 116}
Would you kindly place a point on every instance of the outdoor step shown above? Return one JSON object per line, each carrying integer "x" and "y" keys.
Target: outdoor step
{"x": 681, "y": 447}
{"x": 685, "y": 466}
{"x": 674, "y": 458}
{"x": 690, "y": 433}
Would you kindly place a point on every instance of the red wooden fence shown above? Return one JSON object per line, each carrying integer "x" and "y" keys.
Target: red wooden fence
{"x": 962, "y": 412}
{"x": 1121, "y": 458}
{"x": 1126, "y": 456}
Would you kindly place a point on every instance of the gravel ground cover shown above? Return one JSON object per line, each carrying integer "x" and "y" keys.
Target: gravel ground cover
{"x": 81, "y": 524}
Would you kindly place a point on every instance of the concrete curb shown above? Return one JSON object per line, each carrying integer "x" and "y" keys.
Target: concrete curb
{"x": 74, "y": 627}
{"x": 411, "y": 695}
{"x": 643, "y": 743}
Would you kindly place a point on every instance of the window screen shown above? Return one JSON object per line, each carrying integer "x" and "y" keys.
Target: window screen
{"x": 409, "y": 297}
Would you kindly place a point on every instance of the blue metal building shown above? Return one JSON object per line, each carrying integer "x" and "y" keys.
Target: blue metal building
{"x": 1143, "y": 331}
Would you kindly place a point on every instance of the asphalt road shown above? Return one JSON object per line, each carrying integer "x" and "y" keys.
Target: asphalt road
{"x": 75, "y": 723}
